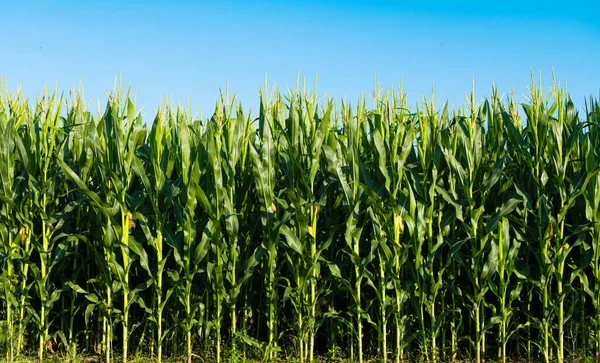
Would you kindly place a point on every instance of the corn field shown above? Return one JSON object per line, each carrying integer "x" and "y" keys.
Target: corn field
{"x": 313, "y": 229}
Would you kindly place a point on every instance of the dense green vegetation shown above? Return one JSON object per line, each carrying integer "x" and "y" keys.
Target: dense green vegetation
{"x": 315, "y": 227}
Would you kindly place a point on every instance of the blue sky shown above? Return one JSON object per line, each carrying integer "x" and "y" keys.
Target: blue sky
{"x": 189, "y": 49}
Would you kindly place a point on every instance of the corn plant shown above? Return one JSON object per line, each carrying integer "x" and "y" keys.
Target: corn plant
{"x": 392, "y": 142}
{"x": 9, "y": 224}
{"x": 158, "y": 185}
{"x": 344, "y": 150}
{"x": 592, "y": 213}
{"x": 425, "y": 211}
{"x": 265, "y": 176}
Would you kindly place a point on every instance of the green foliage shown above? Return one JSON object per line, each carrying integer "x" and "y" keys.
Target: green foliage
{"x": 315, "y": 229}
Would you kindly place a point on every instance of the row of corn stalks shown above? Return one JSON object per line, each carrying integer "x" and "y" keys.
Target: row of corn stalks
{"x": 393, "y": 231}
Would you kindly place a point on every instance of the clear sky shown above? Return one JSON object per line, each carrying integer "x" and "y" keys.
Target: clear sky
{"x": 189, "y": 49}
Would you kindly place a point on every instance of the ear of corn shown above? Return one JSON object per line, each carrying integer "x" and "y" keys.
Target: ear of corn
{"x": 431, "y": 233}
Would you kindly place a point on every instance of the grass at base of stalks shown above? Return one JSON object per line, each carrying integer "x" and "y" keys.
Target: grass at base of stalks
{"x": 238, "y": 358}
